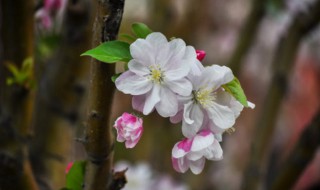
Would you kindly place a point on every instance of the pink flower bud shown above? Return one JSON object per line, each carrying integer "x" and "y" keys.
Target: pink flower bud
{"x": 68, "y": 167}
{"x": 129, "y": 129}
{"x": 200, "y": 54}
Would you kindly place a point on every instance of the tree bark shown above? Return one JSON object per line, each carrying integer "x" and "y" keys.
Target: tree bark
{"x": 302, "y": 24}
{"x": 98, "y": 140}
{"x": 59, "y": 97}
{"x": 15, "y": 100}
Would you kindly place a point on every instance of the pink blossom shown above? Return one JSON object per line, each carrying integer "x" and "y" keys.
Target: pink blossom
{"x": 192, "y": 152}
{"x": 129, "y": 129}
{"x": 200, "y": 54}
{"x": 69, "y": 166}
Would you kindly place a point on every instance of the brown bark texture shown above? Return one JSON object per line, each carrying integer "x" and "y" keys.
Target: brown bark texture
{"x": 98, "y": 139}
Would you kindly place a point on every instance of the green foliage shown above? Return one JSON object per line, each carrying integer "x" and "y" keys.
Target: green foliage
{"x": 115, "y": 76}
{"x": 141, "y": 30}
{"x": 23, "y": 76}
{"x": 235, "y": 89}
{"x": 110, "y": 52}
{"x": 75, "y": 176}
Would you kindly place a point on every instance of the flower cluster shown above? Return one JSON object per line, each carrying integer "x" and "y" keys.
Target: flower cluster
{"x": 167, "y": 76}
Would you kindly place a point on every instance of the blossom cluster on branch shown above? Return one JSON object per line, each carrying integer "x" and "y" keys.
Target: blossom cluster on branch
{"x": 169, "y": 78}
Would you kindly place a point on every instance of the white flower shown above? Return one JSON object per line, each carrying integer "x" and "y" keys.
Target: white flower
{"x": 209, "y": 105}
{"x": 129, "y": 128}
{"x": 192, "y": 152}
{"x": 157, "y": 74}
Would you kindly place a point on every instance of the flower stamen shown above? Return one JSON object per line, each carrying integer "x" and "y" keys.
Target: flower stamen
{"x": 156, "y": 75}
{"x": 205, "y": 97}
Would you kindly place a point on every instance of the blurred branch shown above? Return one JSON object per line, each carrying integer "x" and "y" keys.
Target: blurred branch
{"x": 247, "y": 34}
{"x": 302, "y": 24}
{"x": 98, "y": 133}
{"x": 300, "y": 156}
{"x": 59, "y": 97}
{"x": 15, "y": 100}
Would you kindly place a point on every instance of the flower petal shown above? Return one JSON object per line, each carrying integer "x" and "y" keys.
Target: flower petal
{"x": 214, "y": 76}
{"x": 201, "y": 142}
{"x": 160, "y": 47}
{"x": 197, "y": 166}
{"x": 138, "y": 102}
{"x": 181, "y": 148}
{"x": 151, "y": 100}
{"x": 177, "y": 118}
{"x": 195, "y": 121}
{"x": 130, "y": 83}
{"x": 177, "y": 73}
{"x": 138, "y": 68}
{"x": 177, "y": 49}
{"x": 180, "y": 164}
{"x": 214, "y": 152}
{"x": 221, "y": 115}
{"x": 182, "y": 87}
{"x": 168, "y": 105}
{"x": 138, "y": 52}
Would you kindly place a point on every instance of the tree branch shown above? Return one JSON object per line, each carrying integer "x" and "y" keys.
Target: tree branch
{"x": 59, "y": 96}
{"x": 302, "y": 23}
{"x": 98, "y": 134}
{"x": 247, "y": 35}
{"x": 300, "y": 156}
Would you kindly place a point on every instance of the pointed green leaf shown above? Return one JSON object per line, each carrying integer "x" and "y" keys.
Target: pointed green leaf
{"x": 75, "y": 176}
{"x": 141, "y": 30}
{"x": 13, "y": 69}
{"x": 234, "y": 88}
{"x": 110, "y": 52}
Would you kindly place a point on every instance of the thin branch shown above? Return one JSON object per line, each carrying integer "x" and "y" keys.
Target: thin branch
{"x": 59, "y": 96}
{"x": 247, "y": 34}
{"x": 300, "y": 157}
{"x": 301, "y": 25}
{"x": 98, "y": 132}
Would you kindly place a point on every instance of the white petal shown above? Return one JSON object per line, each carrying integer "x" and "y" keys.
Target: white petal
{"x": 177, "y": 49}
{"x": 138, "y": 102}
{"x": 177, "y": 118}
{"x": 202, "y": 142}
{"x": 180, "y": 164}
{"x": 196, "y": 116}
{"x": 168, "y": 105}
{"x": 182, "y": 87}
{"x": 225, "y": 98}
{"x": 177, "y": 73}
{"x": 193, "y": 156}
{"x": 251, "y": 105}
{"x": 160, "y": 46}
{"x": 139, "y": 53}
{"x": 187, "y": 111}
{"x": 130, "y": 83}
{"x": 214, "y": 76}
{"x": 214, "y": 152}
{"x": 197, "y": 166}
{"x": 151, "y": 100}
{"x": 221, "y": 115}
{"x": 138, "y": 68}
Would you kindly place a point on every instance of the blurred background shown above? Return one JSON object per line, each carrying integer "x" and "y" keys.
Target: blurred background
{"x": 276, "y": 60}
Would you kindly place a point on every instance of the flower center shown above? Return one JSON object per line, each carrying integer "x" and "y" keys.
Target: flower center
{"x": 156, "y": 75}
{"x": 205, "y": 97}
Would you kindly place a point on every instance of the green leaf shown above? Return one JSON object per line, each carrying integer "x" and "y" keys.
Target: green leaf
{"x": 141, "y": 30}
{"x": 127, "y": 37}
{"x": 75, "y": 176}
{"x": 13, "y": 69}
{"x": 110, "y": 52}
{"x": 234, "y": 88}
{"x": 115, "y": 76}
